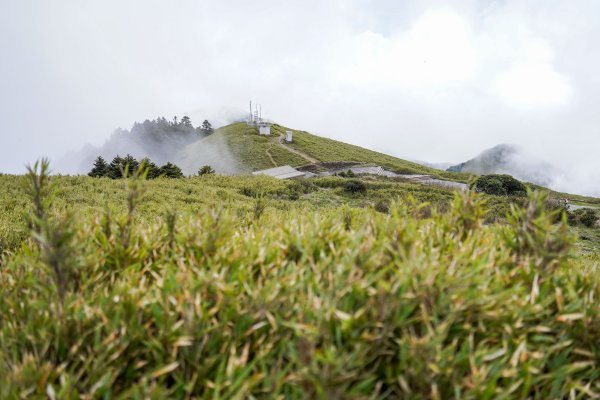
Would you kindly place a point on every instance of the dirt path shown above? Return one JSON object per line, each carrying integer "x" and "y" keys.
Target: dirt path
{"x": 271, "y": 157}
{"x": 308, "y": 158}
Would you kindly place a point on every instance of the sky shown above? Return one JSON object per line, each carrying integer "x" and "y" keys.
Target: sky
{"x": 423, "y": 80}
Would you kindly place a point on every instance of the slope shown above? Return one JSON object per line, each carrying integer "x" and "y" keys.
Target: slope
{"x": 256, "y": 152}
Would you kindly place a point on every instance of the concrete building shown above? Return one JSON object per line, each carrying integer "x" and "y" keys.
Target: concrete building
{"x": 288, "y": 136}
{"x": 264, "y": 128}
{"x": 285, "y": 172}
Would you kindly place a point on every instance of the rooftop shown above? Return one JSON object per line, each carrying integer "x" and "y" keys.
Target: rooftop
{"x": 284, "y": 172}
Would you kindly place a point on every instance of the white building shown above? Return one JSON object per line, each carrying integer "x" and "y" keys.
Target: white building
{"x": 288, "y": 136}
{"x": 264, "y": 128}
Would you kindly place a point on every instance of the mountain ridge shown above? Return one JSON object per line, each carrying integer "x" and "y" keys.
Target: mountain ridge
{"x": 510, "y": 159}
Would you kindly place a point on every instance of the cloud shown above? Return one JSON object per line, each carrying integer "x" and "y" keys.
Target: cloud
{"x": 436, "y": 50}
{"x": 436, "y": 81}
{"x": 531, "y": 85}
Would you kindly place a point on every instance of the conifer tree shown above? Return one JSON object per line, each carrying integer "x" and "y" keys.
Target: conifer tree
{"x": 131, "y": 163}
{"x": 206, "y": 128}
{"x": 186, "y": 121}
{"x": 153, "y": 170}
{"x": 100, "y": 168}
{"x": 115, "y": 168}
{"x": 171, "y": 171}
{"x": 206, "y": 170}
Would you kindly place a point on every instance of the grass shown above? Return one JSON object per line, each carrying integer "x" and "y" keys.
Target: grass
{"x": 248, "y": 287}
{"x": 251, "y": 149}
{"x": 85, "y": 196}
{"x": 330, "y": 150}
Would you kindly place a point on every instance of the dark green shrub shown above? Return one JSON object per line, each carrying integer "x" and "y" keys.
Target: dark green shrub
{"x": 299, "y": 187}
{"x": 588, "y": 217}
{"x": 249, "y": 191}
{"x": 347, "y": 174}
{"x": 499, "y": 185}
{"x": 355, "y": 187}
{"x": 382, "y": 207}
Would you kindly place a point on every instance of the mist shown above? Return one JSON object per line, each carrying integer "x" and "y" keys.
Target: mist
{"x": 161, "y": 141}
{"x": 427, "y": 80}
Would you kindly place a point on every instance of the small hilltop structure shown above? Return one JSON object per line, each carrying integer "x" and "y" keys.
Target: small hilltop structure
{"x": 255, "y": 120}
{"x": 288, "y": 136}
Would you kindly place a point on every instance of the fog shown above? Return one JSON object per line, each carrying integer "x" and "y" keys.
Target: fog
{"x": 426, "y": 80}
{"x": 161, "y": 141}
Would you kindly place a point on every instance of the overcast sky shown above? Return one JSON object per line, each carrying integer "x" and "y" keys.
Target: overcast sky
{"x": 425, "y": 80}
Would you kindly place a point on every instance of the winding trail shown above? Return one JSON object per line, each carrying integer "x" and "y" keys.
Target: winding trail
{"x": 268, "y": 151}
{"x": 308, "y": 158}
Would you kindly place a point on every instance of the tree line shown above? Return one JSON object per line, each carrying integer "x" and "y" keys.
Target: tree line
{"x": 120, "y": 166}
{"x": 160, "y": 126}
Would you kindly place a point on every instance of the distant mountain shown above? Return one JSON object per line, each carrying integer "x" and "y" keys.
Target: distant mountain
{"x": 512, "y": 160}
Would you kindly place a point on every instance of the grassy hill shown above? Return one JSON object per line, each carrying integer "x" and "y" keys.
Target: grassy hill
{"x": 260, "y": 152}
{"x": 250, "y": 287}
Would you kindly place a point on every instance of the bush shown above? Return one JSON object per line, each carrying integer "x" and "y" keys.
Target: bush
{"x": 347, "y": 174}
{"x": 583, "y": 216}
{"x": 382, "y": 207}
{"x": 352, "y": 304}
{"x": 499, "y": 185}
{"x": 355, "y": 187}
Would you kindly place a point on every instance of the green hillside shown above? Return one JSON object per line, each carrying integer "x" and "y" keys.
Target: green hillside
{"x": 253, "y": 151}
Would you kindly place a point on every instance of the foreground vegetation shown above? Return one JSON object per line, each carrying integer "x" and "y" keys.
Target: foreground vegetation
{"x": 235, "y": 287}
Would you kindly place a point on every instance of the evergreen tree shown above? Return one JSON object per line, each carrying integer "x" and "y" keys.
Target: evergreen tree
{"x": 100, "y": 168}
{"x": 115, "y": 168}
{"x": 186, "y": 121}
{"x": 206, "y": 128}
{"x": 206, "y": 170}
{"x": 153, "y": 170}
{"x": 171, "y": 171}
{"x": 131, "y": 163}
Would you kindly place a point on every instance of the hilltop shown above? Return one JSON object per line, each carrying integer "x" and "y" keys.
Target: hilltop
{"x": 253, "y": 152}
{"x": 512, "y": 160}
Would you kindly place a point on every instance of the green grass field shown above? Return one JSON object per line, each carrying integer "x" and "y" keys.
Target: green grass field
{"x": 249, "y": 287}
